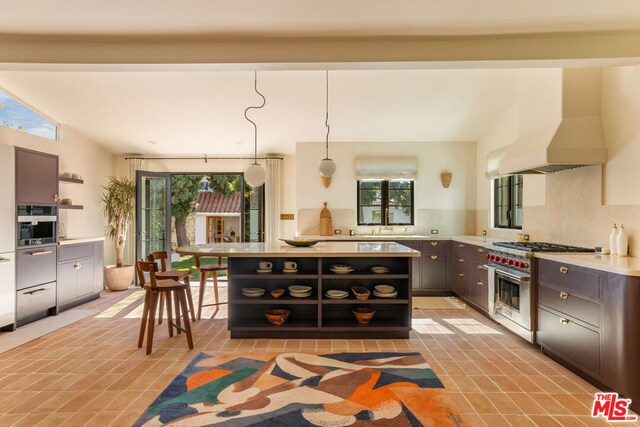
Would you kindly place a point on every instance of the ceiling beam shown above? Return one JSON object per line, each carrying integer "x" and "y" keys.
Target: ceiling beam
{"x": 616, "y": 48}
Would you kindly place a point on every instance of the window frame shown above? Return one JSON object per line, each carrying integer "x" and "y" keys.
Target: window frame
{"x": 384, "y": 203}
{"x": 514, "y": 183}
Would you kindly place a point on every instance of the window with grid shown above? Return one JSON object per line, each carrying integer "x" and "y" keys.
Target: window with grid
{"x": 507, "y": 198}
{"x": 385, "y": 202}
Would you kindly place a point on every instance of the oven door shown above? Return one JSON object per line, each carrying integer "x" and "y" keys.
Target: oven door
{"x": 510, "y": 297}
{"x": 36, "y": 230}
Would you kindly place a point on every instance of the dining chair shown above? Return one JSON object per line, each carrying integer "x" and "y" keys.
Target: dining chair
{"x": 204, "y": 270}
{"x": 165, "y": 273}
{"x": 153, "y": 289}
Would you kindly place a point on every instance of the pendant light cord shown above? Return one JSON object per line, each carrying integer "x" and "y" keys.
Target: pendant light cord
{"x": 326, "y": 120}
{"x": 255, "y": 127}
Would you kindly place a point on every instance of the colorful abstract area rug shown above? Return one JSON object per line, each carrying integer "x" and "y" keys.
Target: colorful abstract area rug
{"x": 298, "y": 389}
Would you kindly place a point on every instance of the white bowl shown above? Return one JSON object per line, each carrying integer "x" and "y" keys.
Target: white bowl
{"x": 384, "y": 289}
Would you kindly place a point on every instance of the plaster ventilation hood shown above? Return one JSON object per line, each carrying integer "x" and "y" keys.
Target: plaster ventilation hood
{"x": 576, "y": 139}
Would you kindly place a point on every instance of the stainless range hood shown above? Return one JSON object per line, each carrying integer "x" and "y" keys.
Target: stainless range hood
{"x": 576, "y": 139}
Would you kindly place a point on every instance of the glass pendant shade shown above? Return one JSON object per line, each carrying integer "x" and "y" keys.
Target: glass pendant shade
{"x": 327, "y": 167}
{"x": 255, "y": 175}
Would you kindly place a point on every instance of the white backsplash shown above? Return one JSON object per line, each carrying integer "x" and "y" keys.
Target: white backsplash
{"x": 447, "y": 222}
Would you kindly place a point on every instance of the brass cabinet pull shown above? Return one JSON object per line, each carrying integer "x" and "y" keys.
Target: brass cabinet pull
{"x": 434, "y": 256}
{"x": 460, "y": 259}
{"x": 564, "y": 295}
{"x": 564, "y": 270}
{"x": 480, "y": 266}
{"x": 480, "y": 284}
{"x": 461, "y": 246}
{"x": 460, "y": 274}
{"x": 40, "y": 253}
{"x": 56, "y": 197}
{"x": 77, "y": 266}
{"x": 37, "y": 291}
{"x": 564, "y": 321}
{"x": 480, "y": 250}
{"x": 434, "y": 243}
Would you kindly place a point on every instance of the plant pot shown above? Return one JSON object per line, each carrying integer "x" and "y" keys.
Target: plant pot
{"x": 118, "y": 278}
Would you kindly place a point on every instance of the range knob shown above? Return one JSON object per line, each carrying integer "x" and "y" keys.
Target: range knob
{"x": 518, "y": 264}
{"x": 511, "y": 262}
{"x": 488, "y": 257}
{"x": 503, "y": 260}
{"x": 525, "y": 265}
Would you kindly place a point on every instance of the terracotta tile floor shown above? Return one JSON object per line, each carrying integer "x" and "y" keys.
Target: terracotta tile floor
{"x": 91, "y": 373}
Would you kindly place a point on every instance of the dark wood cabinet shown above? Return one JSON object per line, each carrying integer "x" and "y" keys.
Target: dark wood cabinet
{"x": 469, "y": 279}
{"x": 79, "y": 273}
{"x": 588, "y": 319}
{"x": 433, "y": 272}
{"x": 36, "y": 178}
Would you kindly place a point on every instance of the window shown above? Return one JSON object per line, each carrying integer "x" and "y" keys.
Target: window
{"x": 17, "y": 116}
{"x": 507, "y": 202}
{"x": 385, "y": 202}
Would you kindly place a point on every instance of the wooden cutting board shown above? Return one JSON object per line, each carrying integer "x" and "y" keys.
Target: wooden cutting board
{"x": 326, "y": 224}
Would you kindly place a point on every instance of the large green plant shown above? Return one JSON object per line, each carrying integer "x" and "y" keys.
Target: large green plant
{"x": 119, "y": 207}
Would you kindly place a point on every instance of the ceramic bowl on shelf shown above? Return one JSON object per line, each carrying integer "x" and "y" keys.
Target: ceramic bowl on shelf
{"x": 336, "y": 294}
{"x": 277, "y": 316}
{"x": 277, "y": 293}
{"x": 384, "y": 289}
{"x": 76, "y": 176}
{"x": 379, "y": 269}
{"x": 363, "y": 314}
{"x": 253, "y": 292}
{"x": 360, "y": 292}
{"x": 66, "y": 202}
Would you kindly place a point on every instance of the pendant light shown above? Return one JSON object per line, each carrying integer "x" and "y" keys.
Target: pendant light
{"x": 327, "y": 166}
{"x": 255, "y": 174}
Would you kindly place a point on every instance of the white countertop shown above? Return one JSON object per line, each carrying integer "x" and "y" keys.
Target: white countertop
{"x": 77, "y": 240}
{"x": 281, "y": 249}
{"x": 627, "y": 266}
{"x": 472, "y": 240}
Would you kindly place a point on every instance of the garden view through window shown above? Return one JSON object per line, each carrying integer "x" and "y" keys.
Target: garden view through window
{"x": 385, "y": 202}
{"x": 15, "y": 115}
{"x": 507, "y": 196}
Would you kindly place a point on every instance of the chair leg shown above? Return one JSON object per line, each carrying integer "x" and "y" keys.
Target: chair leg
{"x": 152, "y": 321}
{"x": 178, "y": 310}
{"x": 215, "y": 286}
{"x": 145, "y": 315}
{"x": 190, "y": 299}
{"x": 160, "y": 313}
{"x": 169, "y": 310}
{"x": 203, "y": 284}
{"x": 185, "y": 316}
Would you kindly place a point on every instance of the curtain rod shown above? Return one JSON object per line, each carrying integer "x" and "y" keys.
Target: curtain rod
{"x": 205, "y": 158}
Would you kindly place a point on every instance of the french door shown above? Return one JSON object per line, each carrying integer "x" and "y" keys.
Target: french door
{"x": 153, "y": 213}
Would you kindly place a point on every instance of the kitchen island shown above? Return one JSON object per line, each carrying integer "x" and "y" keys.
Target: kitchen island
{"x": 315, "y": 316}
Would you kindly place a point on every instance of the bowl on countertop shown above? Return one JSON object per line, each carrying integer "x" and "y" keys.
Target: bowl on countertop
{"x": 300, "y": 243}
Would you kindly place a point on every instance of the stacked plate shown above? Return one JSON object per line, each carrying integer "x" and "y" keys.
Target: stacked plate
{"x": 341, "y": 268}
{"x": 253, "y": 292}
{"x": 300, "y": 291}
{"x": 379, "y": 269}
{"x": 385, "y": 291}
{"x": 336, "y": 294}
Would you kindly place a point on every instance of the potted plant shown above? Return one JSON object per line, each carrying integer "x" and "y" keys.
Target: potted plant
{"x": 119, "y": 207}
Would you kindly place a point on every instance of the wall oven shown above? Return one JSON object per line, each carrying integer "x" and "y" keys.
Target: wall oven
{"x": 37, "y": 225}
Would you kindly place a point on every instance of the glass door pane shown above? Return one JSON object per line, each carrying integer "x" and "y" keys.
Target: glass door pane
{"x": 152, "y": 213}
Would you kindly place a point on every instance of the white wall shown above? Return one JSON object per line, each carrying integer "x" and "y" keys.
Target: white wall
{"x": 433, "y": 158}
{"x": 80, "y": 155}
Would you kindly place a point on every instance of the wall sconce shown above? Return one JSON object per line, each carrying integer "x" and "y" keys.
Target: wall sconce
{"x": 445, "y": 178}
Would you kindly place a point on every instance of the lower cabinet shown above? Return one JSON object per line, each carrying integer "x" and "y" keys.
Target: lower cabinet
{"x": 79, "y": 273}
{"x": 469, "y": 280}
{"x": 479, "y": 292}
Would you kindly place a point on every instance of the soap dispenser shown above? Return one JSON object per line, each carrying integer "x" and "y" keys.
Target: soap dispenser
{"x": 622, "y": 246}
{"x": 613, "y": 240}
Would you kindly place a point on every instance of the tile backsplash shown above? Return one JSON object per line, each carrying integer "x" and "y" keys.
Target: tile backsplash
{"x": 447, "y": 222}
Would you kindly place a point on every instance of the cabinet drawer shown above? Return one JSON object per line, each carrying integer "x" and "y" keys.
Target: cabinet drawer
{"x": 460, "y": 282}
{"x": 575, "y": 280}
{"x": 479, "y": 292}
{"x": 577, "y": 344}
{"x": 439, "y": 247}
{"x": 70, "y": 252}
{"x": 36, "y": 266}
{"x": 433, "y": 271}
{"x": 35, "y": 299}
{"x": 570, "y": 305}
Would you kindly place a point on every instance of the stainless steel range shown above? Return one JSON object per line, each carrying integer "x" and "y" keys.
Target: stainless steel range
{"x": 512, "y": 278}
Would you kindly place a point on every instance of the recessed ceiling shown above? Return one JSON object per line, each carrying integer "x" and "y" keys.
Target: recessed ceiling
{"x": 315, "y": 17}
{"x": 202, "y": 112}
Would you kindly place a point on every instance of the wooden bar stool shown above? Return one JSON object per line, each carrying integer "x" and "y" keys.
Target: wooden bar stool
{"x": 165, "y": 273}
{"x": 204, "y": 270}
{"x": 153, "y": 289}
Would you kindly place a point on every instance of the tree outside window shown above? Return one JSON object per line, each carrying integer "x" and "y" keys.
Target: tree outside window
{"x": 383, "y": 202}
